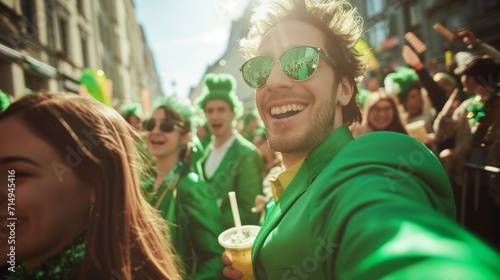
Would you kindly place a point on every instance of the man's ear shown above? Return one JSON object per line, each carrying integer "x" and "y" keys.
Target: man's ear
{"x": 345, "y": 91}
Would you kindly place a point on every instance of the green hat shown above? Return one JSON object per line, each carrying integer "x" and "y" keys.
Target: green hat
{"x": 132, "y": 109}
{"x": 4, "y": 101}
{"x": 183, "y": 107}
{"x": 401, "y": 81}
{"x": 220, "y": 86}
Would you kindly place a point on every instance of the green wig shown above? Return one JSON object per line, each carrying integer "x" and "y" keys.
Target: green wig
{"x": 400, "y": 82}
{"x": 220, "y": 86}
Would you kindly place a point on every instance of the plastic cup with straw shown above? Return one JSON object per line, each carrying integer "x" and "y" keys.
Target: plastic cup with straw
{"x": 238, "y": 241}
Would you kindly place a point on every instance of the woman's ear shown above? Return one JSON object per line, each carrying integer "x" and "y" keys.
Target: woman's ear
{"x": 345, "y": 91}
{"x": 185, "y": 138}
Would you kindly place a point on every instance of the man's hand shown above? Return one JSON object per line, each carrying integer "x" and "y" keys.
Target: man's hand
{"x": 260, "y": 204}
{"x": 229, "y": 271}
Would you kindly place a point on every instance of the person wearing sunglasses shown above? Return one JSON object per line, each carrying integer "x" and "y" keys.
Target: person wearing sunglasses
{"x": 380, "y": 113}
{"x": 379, "y": 206}
{"x": 230, "y": 162}
{"x": 178, "y": 193}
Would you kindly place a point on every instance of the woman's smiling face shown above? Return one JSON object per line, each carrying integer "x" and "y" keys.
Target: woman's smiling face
{"x": 50, "y": 203}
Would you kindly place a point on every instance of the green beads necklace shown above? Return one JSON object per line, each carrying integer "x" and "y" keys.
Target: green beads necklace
{"x": 58, "y": 267}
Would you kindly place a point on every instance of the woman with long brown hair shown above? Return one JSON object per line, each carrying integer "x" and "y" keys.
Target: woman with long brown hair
{"x": 79, "y": 207}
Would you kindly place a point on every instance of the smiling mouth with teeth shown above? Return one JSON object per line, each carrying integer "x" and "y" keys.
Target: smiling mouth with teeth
{"x": 157, "y": 142}
{"x": 286, "y": 111}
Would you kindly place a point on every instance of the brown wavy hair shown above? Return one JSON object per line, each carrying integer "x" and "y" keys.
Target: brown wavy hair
{"x": 125, "y": 236}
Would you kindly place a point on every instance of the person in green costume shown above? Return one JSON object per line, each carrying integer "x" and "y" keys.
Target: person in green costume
{"x": 230, "y": 162}
{"x": 379, "y": 206}
{"x": 179, "y": 194}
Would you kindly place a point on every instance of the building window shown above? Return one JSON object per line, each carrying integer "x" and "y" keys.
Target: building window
{"x": 49, "y": 22}
{"x": 85, "y": 51}
{"x": 374, "y": 7}
{"x": 414, "y": 18}
{"x": 63, "y": 35}
{"x": 34, "y": 83}
{"x": 80, "y": 7}
{"x": 378, "y": 32}
{"x": 29, "y": 17}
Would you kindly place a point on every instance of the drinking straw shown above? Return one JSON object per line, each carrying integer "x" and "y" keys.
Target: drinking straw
{"x": 236, "y": 215}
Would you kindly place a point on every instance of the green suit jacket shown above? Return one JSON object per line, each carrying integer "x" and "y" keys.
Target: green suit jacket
{"x": 194, "y": 223}
{"x": 240, "y": 171}
{"x": 378, "y": 206}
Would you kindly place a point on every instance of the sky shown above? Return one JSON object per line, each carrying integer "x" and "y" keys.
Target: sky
{"x": 185, "y": 36}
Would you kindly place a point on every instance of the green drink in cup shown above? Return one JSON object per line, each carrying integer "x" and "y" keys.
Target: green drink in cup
{"x": 238, "y": 241}
{"x": 240, "y": 253}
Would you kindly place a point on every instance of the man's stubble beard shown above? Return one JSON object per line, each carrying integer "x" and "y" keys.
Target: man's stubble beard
{"x": 318, "y": 129}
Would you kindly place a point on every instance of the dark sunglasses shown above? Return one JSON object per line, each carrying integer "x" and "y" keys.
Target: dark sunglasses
{"x": 298, "y": 63}
{"x": 165, "y": 125}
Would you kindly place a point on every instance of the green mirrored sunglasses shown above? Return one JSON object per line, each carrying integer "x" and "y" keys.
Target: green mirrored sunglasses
{"x": 298, "y": 63}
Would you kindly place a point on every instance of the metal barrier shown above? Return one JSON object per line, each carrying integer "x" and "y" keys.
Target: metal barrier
{"x": 477, "y": 169}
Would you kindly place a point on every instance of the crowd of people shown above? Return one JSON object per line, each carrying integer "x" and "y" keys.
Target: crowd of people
{"x": 348, "y": 180}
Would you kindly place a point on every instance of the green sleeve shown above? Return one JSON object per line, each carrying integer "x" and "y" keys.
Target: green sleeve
{"x": 395, "y": 233}
{"x": 202, "y": 219}
{"x": 395, "y": 218}
{"x": 249, "y": 185}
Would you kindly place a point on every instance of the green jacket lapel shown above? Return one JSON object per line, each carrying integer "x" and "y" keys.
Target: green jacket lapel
{"x": 314, "y": 163}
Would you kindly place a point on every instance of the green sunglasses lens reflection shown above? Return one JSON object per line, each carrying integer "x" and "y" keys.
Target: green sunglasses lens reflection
{"x": 257, "y": 70}
{"x": 298, "y": 64}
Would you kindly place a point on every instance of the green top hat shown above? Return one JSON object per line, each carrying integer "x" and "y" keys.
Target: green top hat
{"x": 220, "y": 86}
